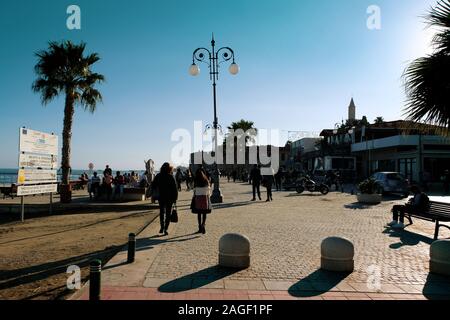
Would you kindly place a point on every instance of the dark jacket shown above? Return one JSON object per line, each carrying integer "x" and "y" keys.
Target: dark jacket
{"x": 255, "y": 175}
{"x": 268, "y": 180}
{"x": 166, "y": 187}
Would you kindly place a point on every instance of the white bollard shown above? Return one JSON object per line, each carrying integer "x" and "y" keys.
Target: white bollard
{"x": 337, "y": 254}
{"x": 234, "y": 251}
{"x": 440, "y": 257}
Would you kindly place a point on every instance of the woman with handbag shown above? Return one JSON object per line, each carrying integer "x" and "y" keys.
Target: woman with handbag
{"x": 201, "y": 202}
{"x": 166, "y": 188}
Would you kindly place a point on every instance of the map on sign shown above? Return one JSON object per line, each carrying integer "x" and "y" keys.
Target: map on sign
{"x": 32, "y": 141}
{"x": 27, "y": 160}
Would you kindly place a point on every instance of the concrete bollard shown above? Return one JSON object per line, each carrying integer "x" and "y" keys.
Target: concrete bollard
{"x": 440, "y": 257}
{"x": 337, "y": 255}
{"x": 234, "y": 251}
{"x": 131, "y": 247}
{"x": 95, "y": 280}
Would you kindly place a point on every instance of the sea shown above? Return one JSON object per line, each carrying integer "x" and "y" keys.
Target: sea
{"x": 8, "y": 176}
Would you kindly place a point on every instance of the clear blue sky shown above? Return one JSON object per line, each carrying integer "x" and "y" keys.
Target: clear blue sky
{"x": 301, "y": 61}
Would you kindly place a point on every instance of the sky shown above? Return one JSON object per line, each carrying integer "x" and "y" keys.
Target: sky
{"x": 301, "y": 61}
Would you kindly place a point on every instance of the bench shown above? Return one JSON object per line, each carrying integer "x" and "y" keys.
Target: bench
{"x": 134, "y": 194}
{"x": 438, "y": 212}
{"x": 9, "y": 191}
{"x": 78, "y": 184}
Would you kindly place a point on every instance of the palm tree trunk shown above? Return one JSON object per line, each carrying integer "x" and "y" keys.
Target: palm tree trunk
{"x": 67, "y": 137}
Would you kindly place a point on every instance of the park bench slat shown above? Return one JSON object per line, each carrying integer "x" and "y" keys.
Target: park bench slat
{"x": 437, "y": 212}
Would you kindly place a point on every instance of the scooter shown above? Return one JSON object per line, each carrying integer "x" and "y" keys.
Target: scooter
{"x": 308, "y": 184}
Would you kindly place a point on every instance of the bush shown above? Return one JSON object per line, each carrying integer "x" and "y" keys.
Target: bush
{"x": 369, "y": 186}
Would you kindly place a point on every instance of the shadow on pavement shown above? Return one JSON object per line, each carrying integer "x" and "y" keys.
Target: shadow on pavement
{"x": 197, "y": 280}
{"x": 437, "y": 287}
{"x": 406, "y": 238}
{"x": 232, "y": 205}
{"x": 306, "y": 194}
{"x": 359, "y": 206}
{"x": 149, "y": 243}
{"x": 317, "y": 283}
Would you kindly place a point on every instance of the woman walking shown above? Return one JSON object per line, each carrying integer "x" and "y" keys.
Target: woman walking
{"x": 201, "y": 203}
{"x": 167, "y": 190}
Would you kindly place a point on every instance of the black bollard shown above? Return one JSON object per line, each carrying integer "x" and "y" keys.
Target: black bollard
{"x": 95, "y": 280}
{"x": 131, "y": 247}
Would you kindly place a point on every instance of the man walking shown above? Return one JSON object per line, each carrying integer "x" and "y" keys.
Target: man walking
{"x": 255, "y": 177}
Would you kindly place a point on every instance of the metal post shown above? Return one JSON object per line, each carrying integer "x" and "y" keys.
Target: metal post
{"x": 95, "y": 280}
{"x": 51, "y": 202}
{"x": 200, "y": 55}
{"x": 22, "y": 204}
{"x": 131, "y": 247}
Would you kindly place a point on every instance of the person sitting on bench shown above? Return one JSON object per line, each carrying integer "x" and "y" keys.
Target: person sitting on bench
{"x": 418, "y": 204}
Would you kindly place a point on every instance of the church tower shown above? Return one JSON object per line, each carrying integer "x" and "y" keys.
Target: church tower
{"x": 352, "y": 110}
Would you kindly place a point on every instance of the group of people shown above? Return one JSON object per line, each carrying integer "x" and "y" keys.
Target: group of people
{"x": 165, "y": 188}
{"x": 113, "y": 186}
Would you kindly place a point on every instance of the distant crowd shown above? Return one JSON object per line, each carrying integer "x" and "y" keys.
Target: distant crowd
{"x": 112, "y": 186}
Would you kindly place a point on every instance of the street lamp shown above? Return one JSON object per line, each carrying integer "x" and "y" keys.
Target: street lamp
{"x": 211, "y": 58}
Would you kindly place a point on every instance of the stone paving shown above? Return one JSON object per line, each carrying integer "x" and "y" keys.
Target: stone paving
{"x": 285, "y": 240}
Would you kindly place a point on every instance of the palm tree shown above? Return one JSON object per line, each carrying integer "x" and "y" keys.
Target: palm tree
{"x": 64, "y": 69}
{"x": 378, "y": 120}
{"x": 427, "y": 79}
{"x": 245, "y": 126}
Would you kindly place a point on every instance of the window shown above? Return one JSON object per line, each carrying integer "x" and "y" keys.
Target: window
{"x": 407, "y": 167}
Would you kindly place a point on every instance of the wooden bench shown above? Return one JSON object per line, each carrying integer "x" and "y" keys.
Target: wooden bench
{"x": 438, "y": 212}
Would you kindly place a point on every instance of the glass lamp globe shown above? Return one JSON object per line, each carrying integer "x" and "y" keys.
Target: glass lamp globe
{"x": 234, "y": 69}
{"x": 194, "y": 70}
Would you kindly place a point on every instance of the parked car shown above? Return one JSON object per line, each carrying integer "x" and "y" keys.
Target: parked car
{"x": 392, "y": 182}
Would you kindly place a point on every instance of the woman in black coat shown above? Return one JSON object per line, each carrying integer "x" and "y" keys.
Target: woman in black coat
{"x": 165, "y": 186}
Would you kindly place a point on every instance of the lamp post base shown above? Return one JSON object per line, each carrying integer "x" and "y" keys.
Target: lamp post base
{"x": 216, "y": 196}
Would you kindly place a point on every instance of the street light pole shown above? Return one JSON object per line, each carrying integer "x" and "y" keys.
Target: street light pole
{"x": 199, "y": 55}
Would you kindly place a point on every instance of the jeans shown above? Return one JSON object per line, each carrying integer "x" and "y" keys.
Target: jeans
{"x": 118, "y": 189}
{"x": 400, "y": 210}
{"x": 269, "y": 191}
{"x": 165, "y": 211}
{"x": 94, "y": 189}
{"x": 256, "y": 186}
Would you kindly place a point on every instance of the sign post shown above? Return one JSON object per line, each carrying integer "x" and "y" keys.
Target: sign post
{"x": 37, "y": 174}
{"x": 22, "y": 210}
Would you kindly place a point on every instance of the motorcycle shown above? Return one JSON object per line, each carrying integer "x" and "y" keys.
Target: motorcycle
{"x": 308, "y": 184}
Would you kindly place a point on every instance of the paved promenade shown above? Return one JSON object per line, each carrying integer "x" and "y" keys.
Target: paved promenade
{"x": 285, "y": 240}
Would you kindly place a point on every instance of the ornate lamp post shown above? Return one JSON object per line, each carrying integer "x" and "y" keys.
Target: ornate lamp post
{"x": 211, "y": 58}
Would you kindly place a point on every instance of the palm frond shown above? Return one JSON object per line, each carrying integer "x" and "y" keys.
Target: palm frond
{"x": 427, "y": 83}
{"x": 439, "y": 15}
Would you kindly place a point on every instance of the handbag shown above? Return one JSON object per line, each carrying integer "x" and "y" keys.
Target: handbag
{"x": 193, "y": 204}
{"x": 174, "y": 214}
